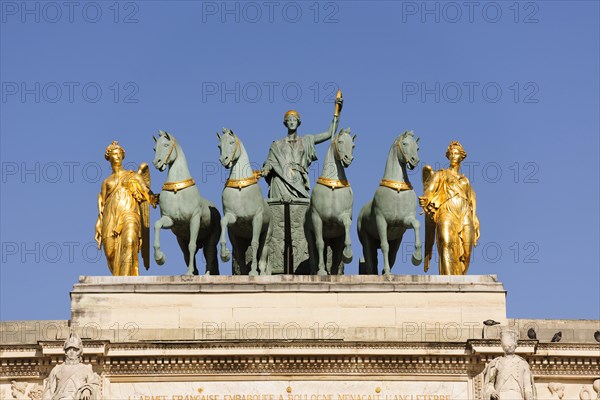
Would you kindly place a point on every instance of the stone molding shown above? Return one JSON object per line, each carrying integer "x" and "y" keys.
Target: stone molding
{"x": 321, "y": 358}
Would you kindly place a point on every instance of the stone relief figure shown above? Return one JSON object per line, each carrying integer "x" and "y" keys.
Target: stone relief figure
{"x": 509, "y": 377}
{"x": 556, "y": 389}
{"x": 449, "y": 204}
{"x": 72, "y": 380}
{"x": 286, "y": 167}
{"x": 124, "y": 214}
{"x": 586, "y": 394}
{"x": 25, "y": 390}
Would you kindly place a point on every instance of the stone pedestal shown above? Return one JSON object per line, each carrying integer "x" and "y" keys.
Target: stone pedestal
{"x": 423, "y": 308}
{"x": 289, "y": 337}
{"x": 288, "y": 248}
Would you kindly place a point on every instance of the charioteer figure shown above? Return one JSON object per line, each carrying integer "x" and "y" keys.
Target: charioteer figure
{"x": 286, "y": 173}
{"x": 286, "y": 168}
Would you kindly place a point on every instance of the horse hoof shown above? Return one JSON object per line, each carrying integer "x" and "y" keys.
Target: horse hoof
{"x": 253, "y": 273}
{"x": 322, "y": 272}
{"x": 387, "y": 272}
{"x": 415, "y": 261}
{"x": 225, "y": 255}
{"x": 160, "y": 258}
{"x": 347, "y": 256}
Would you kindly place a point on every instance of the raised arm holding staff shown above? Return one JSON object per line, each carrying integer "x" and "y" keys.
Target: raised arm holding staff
{"x": 286, "y": 167}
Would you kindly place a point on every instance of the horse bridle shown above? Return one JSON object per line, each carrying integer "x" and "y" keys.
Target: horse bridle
{"x": 401, "y": 150}
{"x": 335, "y": 146}
{"x": 244, "y": 182}
{"x": 179, "y": 185}
{"x": 170, "y": 150}
{"x": 235, "y": 149}
{"x": 397, "y": 185}
{"x": 334, "y": 183}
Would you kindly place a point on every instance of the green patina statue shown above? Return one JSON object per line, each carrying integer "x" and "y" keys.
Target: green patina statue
{"x": 286, "y": 173}
{"x": 246, "y": 214}
{"x": 330, "y": 209}
{"x": 194, "y": 220}
{"x": 286, "y": 167}
{"x": 383, "y": 221}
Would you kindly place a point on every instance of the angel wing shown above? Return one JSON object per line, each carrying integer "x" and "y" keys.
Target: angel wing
{"x": 429, "y": 222}
{"x": 144, "y": 172}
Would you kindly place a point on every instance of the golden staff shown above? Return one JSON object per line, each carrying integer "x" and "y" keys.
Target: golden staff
{"x": 336, "y": 112}
{"x": 338, "y": 108}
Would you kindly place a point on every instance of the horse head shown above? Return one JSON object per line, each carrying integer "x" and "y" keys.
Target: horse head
{"x": 229, "y": 145}
{"x": 408, "y": 149}
{"x": 343, "y": 144}
{"x": 164, "y": 148}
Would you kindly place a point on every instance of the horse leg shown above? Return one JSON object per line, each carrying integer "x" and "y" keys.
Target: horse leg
{"x": 227, "y": 220}
{"x": 210, "y": 255}
{"x": 183, "y": 245}
{"x": 192, "y": 245}
{"x": 385, "y": 247}
{"x": 240, "y": 248}
{"x": 209, "y": 244}
{"x": 257, "y": 224}
{"x": 317, "y": 225}
{"x": 347, "y": 254}
{"x": 337, "y": 257}
{"x": 264, "y": 250}
{"x": 163, "y": 223}
{"x": 394, "y": 246}
{"x": 366, "y": 262}
{"x": 417, "y": 255}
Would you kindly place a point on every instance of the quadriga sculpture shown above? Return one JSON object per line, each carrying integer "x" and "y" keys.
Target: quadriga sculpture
{"x": 330, "y": 210}
{"x": 383, "y": 221}
{"x": 246, "y": 214}
{"x": 193, "y": 219}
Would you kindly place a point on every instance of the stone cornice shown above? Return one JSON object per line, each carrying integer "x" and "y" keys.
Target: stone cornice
{"x": 302, "y": 357}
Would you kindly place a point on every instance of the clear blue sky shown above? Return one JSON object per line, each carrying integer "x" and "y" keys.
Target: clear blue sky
{"x": 516, "y": 83}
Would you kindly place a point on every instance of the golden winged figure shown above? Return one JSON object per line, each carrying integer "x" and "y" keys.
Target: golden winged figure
{"x": 449, "y": 204}
{"x": 123, "y": 224}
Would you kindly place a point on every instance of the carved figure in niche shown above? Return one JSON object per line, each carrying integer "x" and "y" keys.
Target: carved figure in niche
{"x": 509, "y": 377}
{"x": 72, "y": 380}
